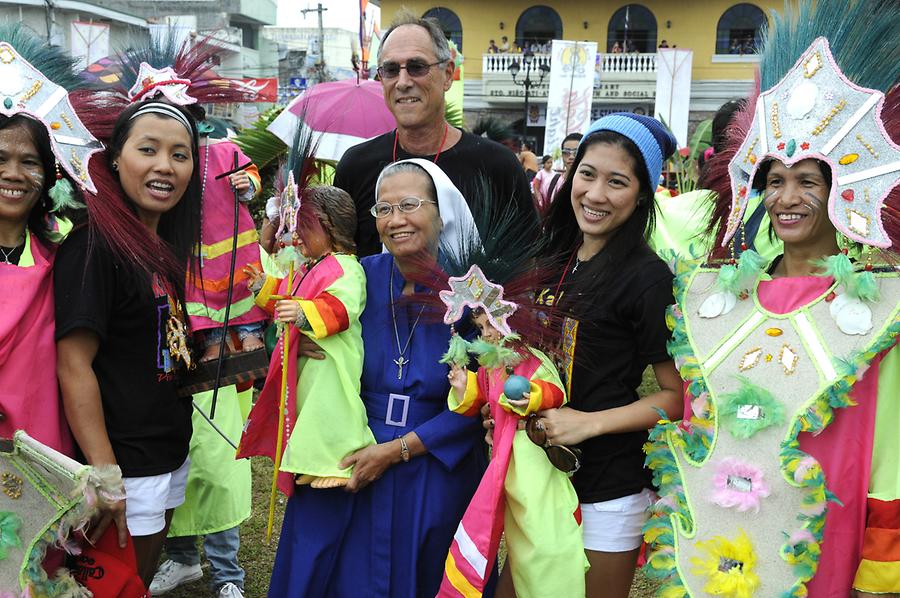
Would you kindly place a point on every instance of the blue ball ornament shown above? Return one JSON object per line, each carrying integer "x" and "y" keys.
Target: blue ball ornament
{"x": 515, "y": 387}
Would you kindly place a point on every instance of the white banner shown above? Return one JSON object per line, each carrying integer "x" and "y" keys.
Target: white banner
{"x": 673, "y": 90}
{"x": 571, "y": 91}
{"x": 90, "y": 42}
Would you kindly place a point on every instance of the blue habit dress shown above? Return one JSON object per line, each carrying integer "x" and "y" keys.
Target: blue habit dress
{"x": 390, "y": 540}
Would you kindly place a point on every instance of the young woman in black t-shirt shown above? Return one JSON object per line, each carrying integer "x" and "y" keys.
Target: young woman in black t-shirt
{"x": 616, "y": 291}
{"x": 119, "y": 286}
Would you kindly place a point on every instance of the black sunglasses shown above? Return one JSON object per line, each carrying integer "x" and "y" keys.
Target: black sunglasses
{"x": 563, "y": 458}
{"x": 414, "y": 68}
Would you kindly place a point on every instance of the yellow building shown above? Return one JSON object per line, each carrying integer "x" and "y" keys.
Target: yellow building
{"x": 722, "y": 34}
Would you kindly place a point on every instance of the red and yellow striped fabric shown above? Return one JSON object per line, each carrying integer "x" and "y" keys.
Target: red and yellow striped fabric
{"x": 473, "y": 400}
{"x": 879, "y": 570}
{"x": 545, "y": 395}
{"x": 326, "y": 315}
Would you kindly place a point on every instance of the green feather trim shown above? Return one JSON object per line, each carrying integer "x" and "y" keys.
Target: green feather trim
{"x": 495, "y": 355}
{"x": 800, "y": 549}
{"x": 771, "y": 409}
{"x": 859, "y": 285}
{"x": 63, "y": 196}
{"x": 51, "y": 61}
{"x": 739, "y": 279}
{"x": 457, "y": 353}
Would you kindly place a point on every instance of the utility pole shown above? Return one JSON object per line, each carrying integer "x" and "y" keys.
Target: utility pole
{"x": 320, "y": 66}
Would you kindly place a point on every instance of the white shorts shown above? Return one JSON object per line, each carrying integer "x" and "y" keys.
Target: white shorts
{"x": 616, "y": 525}
{"x": 147, "y": 499}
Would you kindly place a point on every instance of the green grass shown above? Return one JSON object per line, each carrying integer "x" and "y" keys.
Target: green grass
{"x": 256, "y": 557}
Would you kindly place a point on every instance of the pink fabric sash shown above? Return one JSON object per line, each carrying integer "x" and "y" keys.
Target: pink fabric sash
{"x": 260, "y": 433}
{"x": 29, "y": 395}
{"x": 477, "y": 539}
{"x": 844, "y": 449}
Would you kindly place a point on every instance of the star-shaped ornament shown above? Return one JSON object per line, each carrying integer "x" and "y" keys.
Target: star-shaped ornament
{"x": 474, "y": 290}
{"x": 151, "y": 81}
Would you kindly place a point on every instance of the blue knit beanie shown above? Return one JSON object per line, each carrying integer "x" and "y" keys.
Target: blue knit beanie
{"x": 651, "y": 137}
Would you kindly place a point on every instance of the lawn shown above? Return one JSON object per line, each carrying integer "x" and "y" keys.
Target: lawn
{"x": 257, "y": 557}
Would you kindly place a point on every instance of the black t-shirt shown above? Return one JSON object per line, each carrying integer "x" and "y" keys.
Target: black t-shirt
{"x": 358, "y": 171}
{"x": 149, "y": 427}
{"x": 619, "y": 333}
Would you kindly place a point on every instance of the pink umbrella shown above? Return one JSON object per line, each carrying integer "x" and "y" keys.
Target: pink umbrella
{"x": 345, "y": 113}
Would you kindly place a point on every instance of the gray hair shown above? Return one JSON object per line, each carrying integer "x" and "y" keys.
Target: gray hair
{"x": 401, "y": 167}
{"x": 438, "y": 39}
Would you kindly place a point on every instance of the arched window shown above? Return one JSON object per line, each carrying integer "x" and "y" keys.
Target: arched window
{"x": 538, "y": 26}
{"x": 739, "y": 30}
{"x": 634, "y": 28}
{"x": 449, "y": 22}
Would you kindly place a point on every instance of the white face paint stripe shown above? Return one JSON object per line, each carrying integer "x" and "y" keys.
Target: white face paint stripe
{"x": 819, "y": 354}
{"x": 857, "y": 116}
{"x": 52, "y": 100}
{"x": 713, "y": 361}
{"x": 761, "y": 121}
{"x": 871, "y": 173}
{"x": 469, "y": 551}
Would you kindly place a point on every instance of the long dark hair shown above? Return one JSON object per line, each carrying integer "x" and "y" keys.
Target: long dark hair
{"x": 180, "y": 226}
{"x": 38, "y": 221}
{"x": 561, "y": 227}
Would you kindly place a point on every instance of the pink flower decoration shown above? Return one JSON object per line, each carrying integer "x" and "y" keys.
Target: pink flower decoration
{"x": 738, "y": 484}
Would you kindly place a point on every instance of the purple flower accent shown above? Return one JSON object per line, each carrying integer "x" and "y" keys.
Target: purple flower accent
{"x": 738, "y": 484}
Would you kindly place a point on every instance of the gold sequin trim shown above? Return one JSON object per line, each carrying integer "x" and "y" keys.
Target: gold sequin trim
{"x": 812, "y": 65}
{"x": 36, "y": 87}
{"x": 823, "y": 124}
{"x": 776, "y": 125}
{"x": 867, "y": 145}
{"x": 750, "y": 152}
{"x": 78, "y": 167}
{"x": 66, "y": 120}
{"x": 788, "y": 359}
{"x": 11, "y": 485}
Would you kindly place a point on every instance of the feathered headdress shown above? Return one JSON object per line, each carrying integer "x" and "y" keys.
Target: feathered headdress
{"x": 823, "y": 69}
{"x": 35, "y": 81}
{"x": 181, "y": 73}
{"x": 297, "y": 218}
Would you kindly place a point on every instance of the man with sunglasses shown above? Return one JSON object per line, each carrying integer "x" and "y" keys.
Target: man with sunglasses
{"x": 568, "y": 148}
{"x": 416, "y": 69}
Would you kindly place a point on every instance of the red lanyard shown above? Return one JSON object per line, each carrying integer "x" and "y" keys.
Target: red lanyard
{"x": 441, "y": 147}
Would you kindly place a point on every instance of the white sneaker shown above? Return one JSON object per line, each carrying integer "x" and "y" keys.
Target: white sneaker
{"x": 229, "y": 590}
{"x": 170, "y": 575}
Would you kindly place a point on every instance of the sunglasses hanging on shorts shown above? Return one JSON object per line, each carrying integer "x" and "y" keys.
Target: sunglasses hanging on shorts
{"x": 414, "y": 68}
{"x": 563, "y": 458}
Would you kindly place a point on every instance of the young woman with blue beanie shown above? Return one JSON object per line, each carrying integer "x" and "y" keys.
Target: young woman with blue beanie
{"x": 615, "y": 291}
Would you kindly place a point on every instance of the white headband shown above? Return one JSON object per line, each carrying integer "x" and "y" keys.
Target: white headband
{"x": 165, "y": 110}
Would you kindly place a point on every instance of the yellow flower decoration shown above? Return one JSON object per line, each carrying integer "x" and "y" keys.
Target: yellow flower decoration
{"x": 728, "y": 566}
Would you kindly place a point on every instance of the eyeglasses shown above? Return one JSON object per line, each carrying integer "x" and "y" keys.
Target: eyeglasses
{"x": 414, "y": 68}
{"x": 407, "y": 205}
{"x": 568, "y": 152}
{"x": 563, "y": 458}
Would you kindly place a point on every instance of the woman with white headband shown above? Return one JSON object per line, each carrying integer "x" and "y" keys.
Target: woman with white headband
{"x": 120, "y": 327}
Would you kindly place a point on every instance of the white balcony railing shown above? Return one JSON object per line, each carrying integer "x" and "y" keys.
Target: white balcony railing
{"x": 495, "y": 64}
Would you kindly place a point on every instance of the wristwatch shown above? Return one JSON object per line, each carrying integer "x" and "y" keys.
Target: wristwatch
{"x": 404, "y": 450}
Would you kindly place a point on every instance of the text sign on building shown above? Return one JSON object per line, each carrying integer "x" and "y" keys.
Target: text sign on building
{"x": 570, "y": 92}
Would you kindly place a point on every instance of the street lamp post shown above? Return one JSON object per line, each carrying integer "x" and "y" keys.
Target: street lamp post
{"x": 515, "y": 68}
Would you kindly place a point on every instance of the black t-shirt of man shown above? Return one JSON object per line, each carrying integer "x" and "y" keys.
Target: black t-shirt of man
{"x": 149, "y": 427}
{"x": 619, "y": 333}
{"x": 465, "y": 163}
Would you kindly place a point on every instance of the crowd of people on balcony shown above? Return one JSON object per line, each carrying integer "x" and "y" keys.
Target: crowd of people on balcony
{"x": 535, "y": 46}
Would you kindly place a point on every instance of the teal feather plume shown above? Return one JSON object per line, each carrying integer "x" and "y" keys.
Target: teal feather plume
{"x": 861, "y": 33}
{"x": 52, "y": 61}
